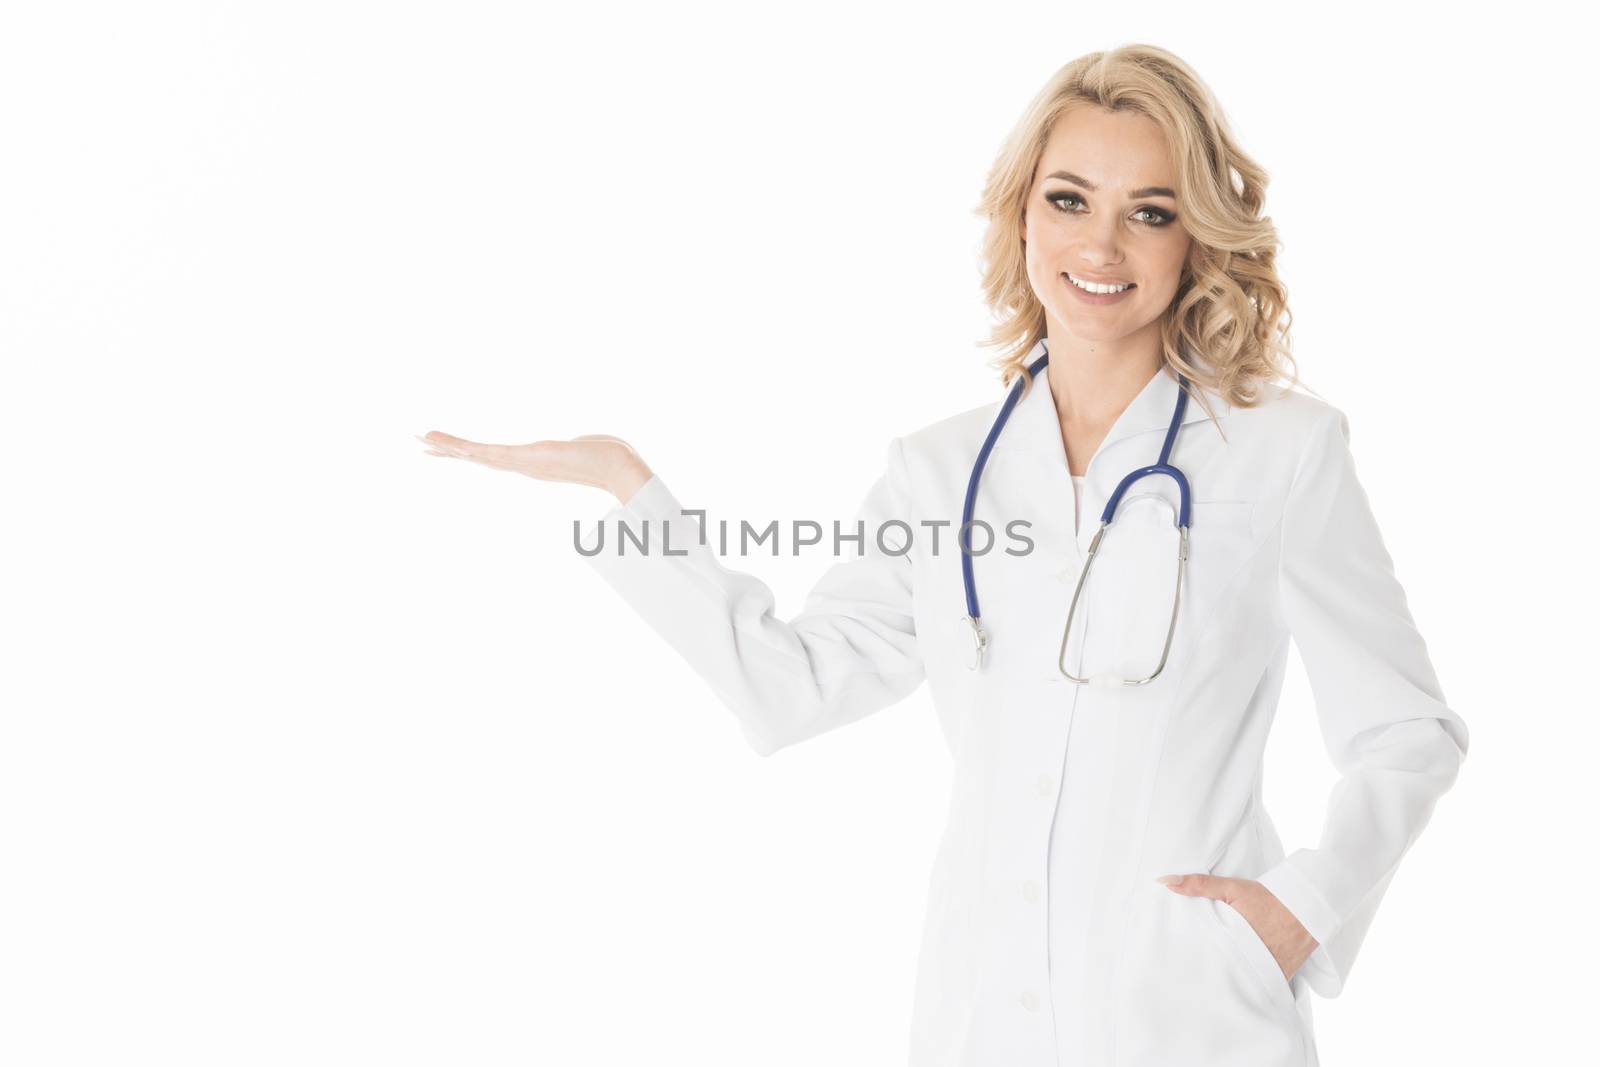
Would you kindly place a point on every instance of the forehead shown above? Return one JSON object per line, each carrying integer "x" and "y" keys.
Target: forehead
{"x": 1109, "y": 148}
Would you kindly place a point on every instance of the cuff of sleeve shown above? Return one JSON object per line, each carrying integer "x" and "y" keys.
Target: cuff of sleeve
{"x": 652, "y": 502}
{"x": 1294, "y": 891}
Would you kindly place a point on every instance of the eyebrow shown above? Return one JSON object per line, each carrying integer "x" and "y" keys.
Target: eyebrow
{"x": 1149, "y": 190}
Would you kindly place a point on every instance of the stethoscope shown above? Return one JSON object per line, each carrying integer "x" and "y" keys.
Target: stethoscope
{"x": 1161, "y": 466}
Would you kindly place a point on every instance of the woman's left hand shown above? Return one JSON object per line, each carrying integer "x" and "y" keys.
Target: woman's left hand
{"x": 1291, "y": 944}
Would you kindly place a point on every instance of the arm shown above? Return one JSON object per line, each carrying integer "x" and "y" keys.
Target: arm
{"x": 1383, "y": 718}
{"x": 852, "y": 650}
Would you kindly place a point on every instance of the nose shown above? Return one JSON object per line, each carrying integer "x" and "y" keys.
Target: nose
{"x": 1101, "y": 246}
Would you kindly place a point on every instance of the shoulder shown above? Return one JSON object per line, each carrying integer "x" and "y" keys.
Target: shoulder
{"x": 1288, "y": 419}
{"x": 935, "y": 453}
{"x": 961, "y": 433}
{"x": 920, "y": 460}
{"x": 1289, "y": 437}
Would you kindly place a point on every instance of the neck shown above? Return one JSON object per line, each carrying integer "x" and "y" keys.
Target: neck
{"x": 1093, "y": 382}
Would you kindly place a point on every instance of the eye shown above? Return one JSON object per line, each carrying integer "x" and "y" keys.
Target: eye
{"x": 1058, "y": 198}
{"x": 1159, "y": 216}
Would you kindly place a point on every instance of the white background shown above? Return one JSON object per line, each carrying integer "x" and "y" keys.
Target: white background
{"x": 319, "y": 750}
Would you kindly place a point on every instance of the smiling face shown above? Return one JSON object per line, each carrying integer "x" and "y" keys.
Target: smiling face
{"x": 1103, "y": 209}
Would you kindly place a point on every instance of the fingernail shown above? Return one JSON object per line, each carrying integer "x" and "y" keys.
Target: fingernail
{"x": 1170, "y": 879}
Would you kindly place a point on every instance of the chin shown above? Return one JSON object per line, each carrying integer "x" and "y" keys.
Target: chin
{"x": 1094, "y": 331}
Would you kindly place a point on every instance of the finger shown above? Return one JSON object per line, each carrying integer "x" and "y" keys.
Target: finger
{"x": 434, "y": 448}
{"x": 1197, "y": 885}
{"x": 447, "y": 442}
{"x": 499, "y": 457}
{"x": 490, "y": 455}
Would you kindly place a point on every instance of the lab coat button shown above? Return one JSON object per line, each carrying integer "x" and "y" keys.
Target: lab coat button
{"x": 1030, "y": 891}
{"x": 1029, "y": 1001}
{"x": 1046, "y": 783}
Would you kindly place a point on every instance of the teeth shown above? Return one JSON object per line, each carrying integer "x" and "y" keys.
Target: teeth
{"x": 1096, "y": 287}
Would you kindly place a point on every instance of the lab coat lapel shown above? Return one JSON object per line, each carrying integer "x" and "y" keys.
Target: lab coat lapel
{"x": 1133, "y": 441}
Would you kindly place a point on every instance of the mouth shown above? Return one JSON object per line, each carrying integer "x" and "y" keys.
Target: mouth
{"x": 1098, "y": 292}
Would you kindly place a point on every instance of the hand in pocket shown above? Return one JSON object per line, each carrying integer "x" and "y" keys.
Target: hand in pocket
{"x": 1289, "y": 942}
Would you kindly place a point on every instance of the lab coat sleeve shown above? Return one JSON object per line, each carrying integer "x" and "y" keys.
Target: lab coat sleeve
{"x": 1396, "y": 745}
{"x": 851, "y": 651}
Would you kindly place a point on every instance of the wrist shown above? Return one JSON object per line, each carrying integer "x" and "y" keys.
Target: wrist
{"x": 630, "y": 481}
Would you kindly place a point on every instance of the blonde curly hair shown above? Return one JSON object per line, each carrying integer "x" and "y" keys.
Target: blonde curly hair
{"x": 1227, "y": 328}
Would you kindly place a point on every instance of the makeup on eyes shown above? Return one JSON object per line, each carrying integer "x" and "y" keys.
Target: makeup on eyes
{"x": 1162, "y": 214}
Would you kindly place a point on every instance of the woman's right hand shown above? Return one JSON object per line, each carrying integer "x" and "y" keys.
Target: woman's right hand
{"x": 596, "y": 459}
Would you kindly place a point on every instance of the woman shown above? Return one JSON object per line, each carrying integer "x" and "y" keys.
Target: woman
{"x": 1109, "y": 888}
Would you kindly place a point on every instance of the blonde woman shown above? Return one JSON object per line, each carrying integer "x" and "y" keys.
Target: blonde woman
{"x": 1109, "y": 888}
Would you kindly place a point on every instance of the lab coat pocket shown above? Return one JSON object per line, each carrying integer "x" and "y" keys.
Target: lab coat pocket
{"x": 1221, "y": 537}
{"x": 1244, "y": 939}
{"x": 1188, "y": 994}
{"x": 1123, "y": 621}
{"x": 1134, "y": 580}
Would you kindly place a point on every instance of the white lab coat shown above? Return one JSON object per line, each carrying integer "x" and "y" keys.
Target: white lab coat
{"x": 1047, "y": 940}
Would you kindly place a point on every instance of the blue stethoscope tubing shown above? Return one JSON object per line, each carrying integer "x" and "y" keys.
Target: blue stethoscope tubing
{"x": 1161, "y": 466}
